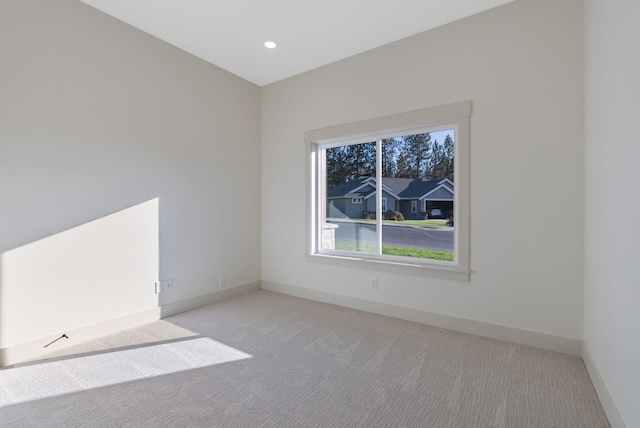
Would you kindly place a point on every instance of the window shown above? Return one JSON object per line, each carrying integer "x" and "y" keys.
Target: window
{"x": 356, "y": 200}
{"x": 394, "y": 162}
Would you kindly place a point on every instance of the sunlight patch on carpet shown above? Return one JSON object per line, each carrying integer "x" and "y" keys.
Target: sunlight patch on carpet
{"x": 71, "y": 375}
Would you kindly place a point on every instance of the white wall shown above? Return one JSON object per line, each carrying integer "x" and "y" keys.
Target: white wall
{"x": 612, "y": 229}
{"x": 97, "y": 117}
{"x": 521, "y": 64}
{"x": 51, "y": 285}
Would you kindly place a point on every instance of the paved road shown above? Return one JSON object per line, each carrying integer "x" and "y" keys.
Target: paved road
{"x": 440, "y": 239}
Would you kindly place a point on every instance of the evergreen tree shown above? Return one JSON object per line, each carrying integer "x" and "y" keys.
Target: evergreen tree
{"x": 412, "y": 156}
{"x": 389, "y": 164}
{"x": 449, "y": 153}
{"x": 441, "y": 160}
{"x": 337, "y": 168}
{"x": 362, "y": 160}
{"x": 437, "y": 162}
{"x": 416, "y": 153}
{"x": 403, "y": 166}
{"x": 349, "y": 162}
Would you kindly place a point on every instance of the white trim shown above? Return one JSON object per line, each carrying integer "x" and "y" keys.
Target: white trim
{"x": 609, "y": 405}
{"x": 453, "y": 116}
{"x": 536, "y": 339}
{"x": 414, "y": 205}
{"x": 189, "y": 304}
{"x": 379, "y": 197}
{"x": 390, "y": 191}
{"x": 447, "y": 180}
{"x": 23, "y": 351}
{"x": 385, "y": 189}
{"x": 365, "y": 183}
{"x": 411, "y": 265}
{"x": 389, "y": 126}
{"x": 440, "y": 186}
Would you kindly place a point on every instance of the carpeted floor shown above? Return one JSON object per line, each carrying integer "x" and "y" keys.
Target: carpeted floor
{"x": 270, "y": 360}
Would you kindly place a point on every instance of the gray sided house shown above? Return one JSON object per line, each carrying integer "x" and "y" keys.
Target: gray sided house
{"x": 416, "y": 199}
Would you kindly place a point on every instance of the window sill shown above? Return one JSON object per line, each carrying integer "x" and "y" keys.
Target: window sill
{"x": 440, "y": 272}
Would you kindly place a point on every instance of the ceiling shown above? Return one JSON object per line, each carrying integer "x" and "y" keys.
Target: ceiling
{"x": 309, "y": 34}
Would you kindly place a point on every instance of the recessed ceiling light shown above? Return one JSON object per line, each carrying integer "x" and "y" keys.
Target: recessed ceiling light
{"x": 270, "y": 44}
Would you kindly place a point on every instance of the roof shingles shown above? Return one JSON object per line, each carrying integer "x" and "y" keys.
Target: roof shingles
{"x": 405, "y": 188}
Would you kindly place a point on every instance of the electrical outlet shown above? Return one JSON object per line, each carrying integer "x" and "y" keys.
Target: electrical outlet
{"x": 222, "y": 282}
{"x": 168, "y": 284}
{"x": 374, "y": 283}
{"x": 159, "y": 287}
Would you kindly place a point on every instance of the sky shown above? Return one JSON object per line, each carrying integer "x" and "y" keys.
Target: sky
{"x": 440, "y": 135}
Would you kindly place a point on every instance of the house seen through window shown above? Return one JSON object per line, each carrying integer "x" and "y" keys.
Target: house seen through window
{"x": 388, "y": 179}
{"x": 392, "y": 193}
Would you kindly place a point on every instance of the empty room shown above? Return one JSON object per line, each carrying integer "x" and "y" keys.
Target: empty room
{"x": 329, "y": 214}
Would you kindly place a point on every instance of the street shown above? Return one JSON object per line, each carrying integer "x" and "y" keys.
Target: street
{"x": 438, "y": 239}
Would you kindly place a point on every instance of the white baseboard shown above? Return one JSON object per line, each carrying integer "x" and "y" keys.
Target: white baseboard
{"x": 207, "y": 299}
{"x": 17, "y": 353}
{"x": 549, "y": 342}
{"x": 34, "y": 348}
{"x": 610, "y": 408}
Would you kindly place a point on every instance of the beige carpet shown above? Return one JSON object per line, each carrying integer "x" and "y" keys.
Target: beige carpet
{"x": 269, "y": 360}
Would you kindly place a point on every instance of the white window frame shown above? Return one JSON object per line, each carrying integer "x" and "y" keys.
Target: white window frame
{"x": 456, "y": 116}
{"x": 356, "y": 200}
{"x": 414, "y": 206}
{"x": 384, "y": 205}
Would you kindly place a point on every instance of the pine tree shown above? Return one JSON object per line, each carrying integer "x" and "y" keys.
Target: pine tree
{"x": 362, "y": 160}
{"x": 403, "y": 166}
{"x": 415, "y": 152}
{"x": 349, "y": 162}
{"x": 389, "y": 164}
{"x": 449, "y": 153}
{"x": 337, "y": 169}
{"x": 437, "y": 162}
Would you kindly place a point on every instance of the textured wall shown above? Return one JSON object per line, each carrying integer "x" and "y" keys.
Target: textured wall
{"x": 521, "y": 65}
{"x": 98, "y": 117}
{"x": 612, "y": 230}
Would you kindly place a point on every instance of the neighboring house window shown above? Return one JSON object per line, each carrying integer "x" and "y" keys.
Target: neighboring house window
{"x": 411, "y": 156}
{"x": 356, "y": 200}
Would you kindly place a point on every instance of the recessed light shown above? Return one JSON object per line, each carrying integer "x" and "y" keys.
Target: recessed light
{"x": 270, "y": 44}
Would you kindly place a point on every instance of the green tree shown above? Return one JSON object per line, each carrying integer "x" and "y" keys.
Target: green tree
{"x": 349, "y": 162}
{"x": 441, "y": 160}
{"x": 389, "y": 164}
{"x": 437, "y": 162}
{"x": 415, "y": 155}
{"x": 403, "y": 166}
{"x": 362, "y": 160}
{"x": 449, "y": 152}
{"x": 337, "y": 168}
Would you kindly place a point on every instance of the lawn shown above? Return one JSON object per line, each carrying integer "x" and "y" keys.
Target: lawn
{"x": 420, "y": 223}
{"x": 393, "y": 250}
{"x": 428, "y": 223}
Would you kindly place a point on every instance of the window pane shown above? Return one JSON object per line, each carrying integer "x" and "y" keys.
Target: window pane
{"x": 417, "y": 171}
{"x": 349, "y": 173}
{"x": 417, "y": 196}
